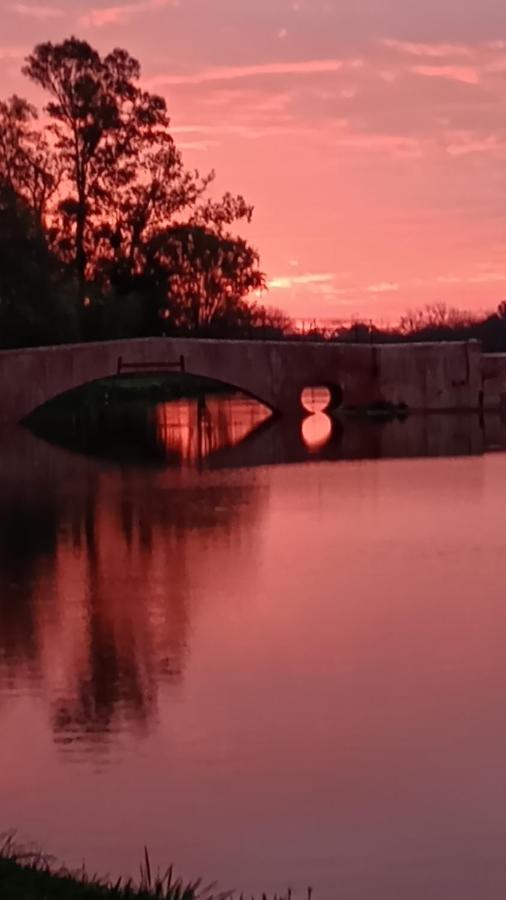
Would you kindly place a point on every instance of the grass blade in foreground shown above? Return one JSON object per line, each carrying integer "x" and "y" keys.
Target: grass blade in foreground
{"x": 28, "y": 874}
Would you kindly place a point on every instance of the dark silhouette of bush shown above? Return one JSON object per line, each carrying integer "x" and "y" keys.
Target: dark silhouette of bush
{"x": 37, "y": 302}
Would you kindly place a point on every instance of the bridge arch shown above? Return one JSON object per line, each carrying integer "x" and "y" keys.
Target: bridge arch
{"x": 151, "y": 372}
{"x": 321, "y": 398}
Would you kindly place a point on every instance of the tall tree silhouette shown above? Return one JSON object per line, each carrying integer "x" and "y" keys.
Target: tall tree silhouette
{"x": 98, "y": 117}
{"x": 128, "y": 212}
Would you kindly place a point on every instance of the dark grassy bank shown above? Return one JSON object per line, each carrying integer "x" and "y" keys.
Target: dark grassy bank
{"x": 29, "y": 876}
{"x": 24, "y": 880}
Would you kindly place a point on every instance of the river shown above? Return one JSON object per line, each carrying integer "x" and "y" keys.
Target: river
{"x": 275, "y": 656}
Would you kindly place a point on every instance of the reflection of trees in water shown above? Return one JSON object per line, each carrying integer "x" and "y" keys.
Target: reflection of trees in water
{"x": 193, "y": 430}
{"x": 95, "y": 574}
{"x": 28, "y": 541}
{"x": 114, "y": 681}
{"x": 130, "y": 646}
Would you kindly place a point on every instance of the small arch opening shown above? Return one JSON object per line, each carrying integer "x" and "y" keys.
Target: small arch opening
{"x": 321, "y": 398}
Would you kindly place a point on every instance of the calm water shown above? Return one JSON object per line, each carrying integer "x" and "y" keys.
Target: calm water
{"x": 268, "y": 659}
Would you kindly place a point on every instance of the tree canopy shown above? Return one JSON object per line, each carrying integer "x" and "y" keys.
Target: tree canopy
{"x": 142, "y": 244}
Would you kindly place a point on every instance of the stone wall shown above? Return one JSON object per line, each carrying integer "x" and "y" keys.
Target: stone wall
{"x": 430, "y": 377}
{"x": 494, "y": 381}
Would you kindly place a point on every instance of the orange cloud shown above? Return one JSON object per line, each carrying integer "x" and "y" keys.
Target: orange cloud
{"x": 286, "y": 282}
{"x": 463, "y": 74}
{"x": 11, "y": 53}
{"x": 431, "y": 51}
{"x": 394, "y": 145}
{"x": 383, "y": 287}
{"x": 465, "y": 142}
{"x": 231, "y": 73}
{"x": 37, "y": 12}
{"x": 99, "y": 17}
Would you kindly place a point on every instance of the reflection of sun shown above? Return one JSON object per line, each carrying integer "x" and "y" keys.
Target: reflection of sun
{"x": 316, "y": 431}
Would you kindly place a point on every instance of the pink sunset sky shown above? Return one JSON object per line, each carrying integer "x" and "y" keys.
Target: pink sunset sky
{"x": 370, "y": 134}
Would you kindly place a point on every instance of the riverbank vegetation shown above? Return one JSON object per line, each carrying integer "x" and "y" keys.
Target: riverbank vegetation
{"x": 28, "y": 875}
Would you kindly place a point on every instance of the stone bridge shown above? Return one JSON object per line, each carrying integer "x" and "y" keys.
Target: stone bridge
{"x": 424, "y": 377}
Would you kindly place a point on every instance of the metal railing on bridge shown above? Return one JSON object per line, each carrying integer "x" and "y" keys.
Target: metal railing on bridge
{"x": 154, "y": 366}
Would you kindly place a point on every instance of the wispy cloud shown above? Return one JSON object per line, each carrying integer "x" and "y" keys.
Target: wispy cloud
{"x": 383, "y": 287}
{"x": 198, "y": 146}
{"x": 11, "y": 53}
{"x": 462, "y": 74}
{"x": 393, "y": 145}
{"x": 37, "y": 12}
{"x": 463, "y": 143}
{"x": 285, "y": 282}
{"x": 120, "y": 14}
{"x": 429, "y": 51}
{"x": 487, "y": 277}
{"x": 231, "y": 73}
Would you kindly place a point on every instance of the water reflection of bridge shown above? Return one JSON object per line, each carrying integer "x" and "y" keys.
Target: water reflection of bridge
{"x": 235, "y": 432}
{"x": 283, "y": 442}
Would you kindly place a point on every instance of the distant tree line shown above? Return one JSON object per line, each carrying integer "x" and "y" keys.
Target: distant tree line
{"x": 434, "y": 322}
{"x": 103, "y": 231}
